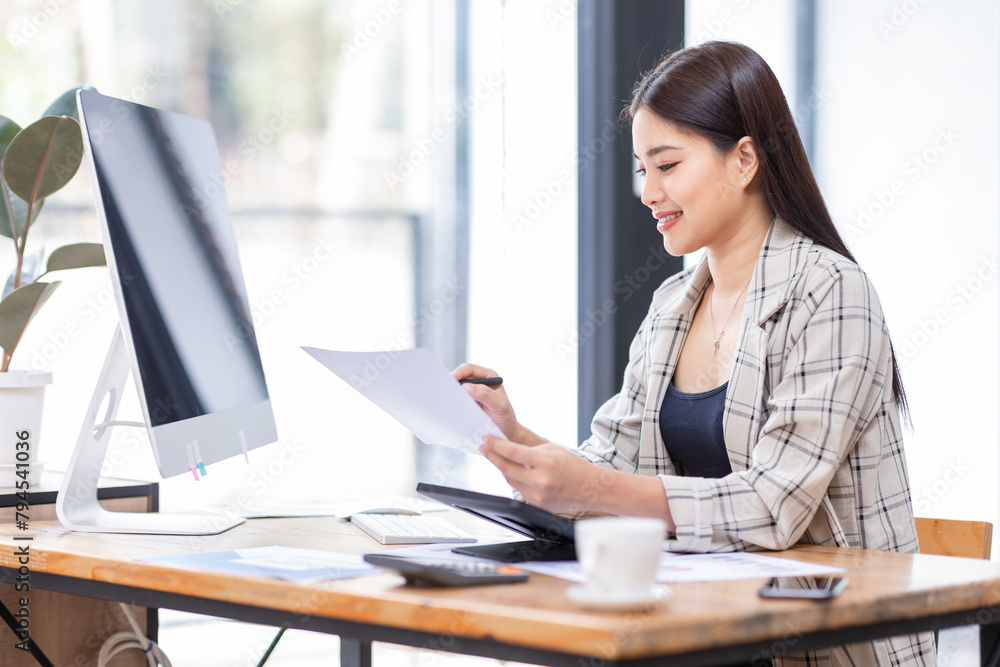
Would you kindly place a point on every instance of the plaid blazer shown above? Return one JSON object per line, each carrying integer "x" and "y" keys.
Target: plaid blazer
{"x": 811, "y": 427}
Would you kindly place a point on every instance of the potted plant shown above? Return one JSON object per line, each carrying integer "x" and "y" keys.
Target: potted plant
{"x": 35, "y": 162}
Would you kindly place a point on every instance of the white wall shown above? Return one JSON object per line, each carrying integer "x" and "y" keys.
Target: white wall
{"x": 906, "y": 157}
{"x": 523, "y": 273}
{"x": 908, "y": 144}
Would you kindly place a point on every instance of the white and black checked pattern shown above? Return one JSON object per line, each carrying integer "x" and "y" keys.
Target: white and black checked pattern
{"x": 811, "y": 426}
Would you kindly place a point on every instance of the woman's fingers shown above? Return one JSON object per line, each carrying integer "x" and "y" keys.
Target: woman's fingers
{"x": 487, "y": 396}
{"x": 468, "y": 370}
{"x": 517, "y": 474}
{"x": 519, "y": 454}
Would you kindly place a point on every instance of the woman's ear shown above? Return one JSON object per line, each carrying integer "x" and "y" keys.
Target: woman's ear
{"x": 745, "y": 159}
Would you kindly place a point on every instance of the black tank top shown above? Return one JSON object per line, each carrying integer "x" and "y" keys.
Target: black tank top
{"x": 691, "y": 426}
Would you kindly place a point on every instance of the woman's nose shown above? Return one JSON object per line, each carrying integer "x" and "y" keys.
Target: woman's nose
{"x": 651, "y": 192}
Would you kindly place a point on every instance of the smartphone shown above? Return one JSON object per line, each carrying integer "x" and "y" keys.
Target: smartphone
{"x": 808, "y": 588}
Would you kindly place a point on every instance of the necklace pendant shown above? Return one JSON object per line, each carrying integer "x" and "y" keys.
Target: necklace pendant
{"x": 716, "y": 347}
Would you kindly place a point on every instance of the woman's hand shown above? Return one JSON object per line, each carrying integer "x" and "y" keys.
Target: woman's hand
{"x": 556, "y": 479}
{"x": 494, "y": 402}
{"x": 549, "y": 476}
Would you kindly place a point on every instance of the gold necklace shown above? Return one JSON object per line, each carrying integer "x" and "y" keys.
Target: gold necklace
{"x": 711, "y": 312}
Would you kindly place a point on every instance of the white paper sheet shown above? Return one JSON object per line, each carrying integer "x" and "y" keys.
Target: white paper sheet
{"x": 675, "y": 568}
{"x": 340, "y": 508}
{"x": 303, "y": 566}
{"x": 415, "y": 388}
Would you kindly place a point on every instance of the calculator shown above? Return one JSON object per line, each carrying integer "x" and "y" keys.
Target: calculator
{"x": 431, "y": 572}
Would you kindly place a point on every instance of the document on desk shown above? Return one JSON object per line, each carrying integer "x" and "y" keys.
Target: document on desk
{"x": 676, "y": 568}
{"x": 340, "y": 508}
{"x": 673, "y": 568}
{"x": 415, "y": 388}
{"x": 303, "y": 566}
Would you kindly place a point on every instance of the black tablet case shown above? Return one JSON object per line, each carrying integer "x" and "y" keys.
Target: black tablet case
{"x": 552, "y": 535}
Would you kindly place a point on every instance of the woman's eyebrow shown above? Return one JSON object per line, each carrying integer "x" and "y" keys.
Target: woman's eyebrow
{"x": 653, "y": 151}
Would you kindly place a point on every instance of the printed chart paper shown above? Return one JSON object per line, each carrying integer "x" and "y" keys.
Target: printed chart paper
{"x": 677, "y": 568}
{"x": 304, "y": 566}
{"x": 415, "y": 388}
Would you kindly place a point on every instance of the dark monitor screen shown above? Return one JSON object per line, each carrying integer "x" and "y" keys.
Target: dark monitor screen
{"x": 173, "y": 256}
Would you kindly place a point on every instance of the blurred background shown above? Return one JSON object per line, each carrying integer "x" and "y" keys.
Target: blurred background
{"x": 449, "y": 173}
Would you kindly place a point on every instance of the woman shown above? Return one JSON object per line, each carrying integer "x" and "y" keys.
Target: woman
{"x": 761, "y": 402}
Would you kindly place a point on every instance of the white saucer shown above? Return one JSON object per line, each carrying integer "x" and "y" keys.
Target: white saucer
{"x": 601, "y": 600}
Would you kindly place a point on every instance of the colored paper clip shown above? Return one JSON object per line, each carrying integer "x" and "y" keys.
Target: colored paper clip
{"x": 197, "y": 456}
{"x": 191, "y": 464}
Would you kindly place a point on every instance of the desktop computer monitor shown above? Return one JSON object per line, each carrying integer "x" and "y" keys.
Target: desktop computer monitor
{"x": 186, "y": 332}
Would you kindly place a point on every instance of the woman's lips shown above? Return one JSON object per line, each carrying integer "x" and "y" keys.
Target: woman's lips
{"x": 667, "y": 219}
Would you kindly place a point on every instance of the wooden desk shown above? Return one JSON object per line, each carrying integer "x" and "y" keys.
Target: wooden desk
{"x": 704, "y": 623}
{"x": 71, "y": 628}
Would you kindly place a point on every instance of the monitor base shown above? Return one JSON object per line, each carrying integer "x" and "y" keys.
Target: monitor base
{"x": 154, "y": 523}
{"x": 76, "y": 503}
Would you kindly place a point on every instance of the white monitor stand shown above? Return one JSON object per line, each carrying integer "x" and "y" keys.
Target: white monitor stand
{"x": 76, "y": 504}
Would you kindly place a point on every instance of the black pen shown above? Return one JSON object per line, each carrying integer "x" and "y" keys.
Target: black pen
{"x": 489, "y": 382}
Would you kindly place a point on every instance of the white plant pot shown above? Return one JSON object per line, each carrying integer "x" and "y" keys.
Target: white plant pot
{"x": 22, "y": 395}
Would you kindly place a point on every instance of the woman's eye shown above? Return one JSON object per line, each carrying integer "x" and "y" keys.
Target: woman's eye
{"x": 640, "y": 170}
{"x": 666, "y": 167}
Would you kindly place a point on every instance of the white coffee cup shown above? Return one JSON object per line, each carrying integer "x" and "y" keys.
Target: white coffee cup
{"x": 619, "y": 555}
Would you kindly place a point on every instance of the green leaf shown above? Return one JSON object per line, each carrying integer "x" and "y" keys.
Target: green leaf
{"x": 30, "y": 269}
{"x": 76, "y": 256}
{"x": 43, "y": 157}
{"x": 17, "y": 310}
{"x": 65, "y": 104}
{"x": 8, "y": 130}
{"x": 20, "y": 210}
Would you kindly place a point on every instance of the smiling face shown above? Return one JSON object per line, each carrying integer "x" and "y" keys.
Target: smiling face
{"x": 697, "y": 194}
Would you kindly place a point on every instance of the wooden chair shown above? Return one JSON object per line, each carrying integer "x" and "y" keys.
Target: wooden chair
{"x": 946, "y": 537}
{"x": 967, "y": 539}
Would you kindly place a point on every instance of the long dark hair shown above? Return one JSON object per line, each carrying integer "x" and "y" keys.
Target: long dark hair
{"x": 724, "y": 91}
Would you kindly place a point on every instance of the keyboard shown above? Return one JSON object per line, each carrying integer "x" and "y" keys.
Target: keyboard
{"x": 409, "y": 529}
